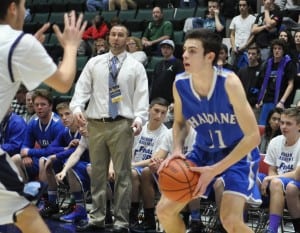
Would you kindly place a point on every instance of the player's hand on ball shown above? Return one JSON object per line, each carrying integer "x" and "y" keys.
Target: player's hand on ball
{"x": 168, "y": 159}
{"x": 206, "y": 177}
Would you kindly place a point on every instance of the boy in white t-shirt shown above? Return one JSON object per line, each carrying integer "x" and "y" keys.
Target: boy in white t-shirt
{"x": 283, "y": 156}
{"x": 145, "y": 144}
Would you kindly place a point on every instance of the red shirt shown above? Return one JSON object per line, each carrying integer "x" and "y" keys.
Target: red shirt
{"x": 94, "y": 33}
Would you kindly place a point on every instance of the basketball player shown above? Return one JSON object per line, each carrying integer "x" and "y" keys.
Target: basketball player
{"x": 24, "y": 60}
{"x": 214, "y": 103}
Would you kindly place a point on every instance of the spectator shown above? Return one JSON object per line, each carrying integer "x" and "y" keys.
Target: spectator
{"x": 249, "y": 77}
{"x": 188, "y": 3}
{"x": 240, "y": 31}
{"x": 213, "y": 20}
{"x": 12, "y": 132}
{"x": 165, "y": 72}
{"x": 283, "y": 156}
{"x": 100, "y": 47}
{"x": 122, "y": 4}
{"x": 114, "y": 21}
{"x": 41, "y": 131}
{"x": 18, "y": 105}
{"x": 156, "y": 31}
{"x": 98, "y": 29}
{"x": 135, "y": 48}
{"x": 277, "y": 80}
{"x": 287, "y": 36}
{"x": 29, "y": 107}
{"x": 145, "y": 145}
{"x": 116, "y": 86}
{"x": 266, "y": 27}
{"x": 95, "y": 5}
{"x": 272, "y": 129}
{"x": 290, "y": 12}
{"x": 223, "y": 59}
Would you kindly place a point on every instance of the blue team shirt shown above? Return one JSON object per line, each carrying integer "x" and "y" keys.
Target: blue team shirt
{"x": 42, "y": 135}
{"x": 212, "y": 117}
{"x": 12, "y": 133}
{"x": 63, "y": 140}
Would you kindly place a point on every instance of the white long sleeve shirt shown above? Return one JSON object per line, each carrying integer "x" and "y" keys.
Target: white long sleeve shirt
{"x": 93, "y": 85}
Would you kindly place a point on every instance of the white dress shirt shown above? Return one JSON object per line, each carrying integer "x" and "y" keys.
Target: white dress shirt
{"x": 92, "y": 86}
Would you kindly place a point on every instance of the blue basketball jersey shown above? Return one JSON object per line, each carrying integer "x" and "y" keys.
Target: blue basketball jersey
{"x": 42, "y": 135}
{"x": 211, "y": 116}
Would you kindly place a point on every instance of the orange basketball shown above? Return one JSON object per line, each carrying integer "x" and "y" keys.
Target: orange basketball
{"x": 177, "y": 182}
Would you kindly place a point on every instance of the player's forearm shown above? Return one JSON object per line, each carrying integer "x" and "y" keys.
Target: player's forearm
{"x": 63, "y": 78}
{"x": 72, "y": 160}
{"x": 179, "y": 135}
{"x": 143, "y": 163}
{"x": 287, "y": 92}
{"x": 68, "y": 66}
{"x": 219, "y": 26}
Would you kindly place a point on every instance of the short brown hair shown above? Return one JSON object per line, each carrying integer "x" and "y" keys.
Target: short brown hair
{"x": 44, "y": 94}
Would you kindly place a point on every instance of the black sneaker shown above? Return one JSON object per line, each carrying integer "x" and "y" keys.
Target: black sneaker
{"x": 108, "y": 219}
{"x": 196, "y": 226}
{"x": 63, "y": 211}
{"x": 144, "y": 227}
{"x": 49, "y": 209}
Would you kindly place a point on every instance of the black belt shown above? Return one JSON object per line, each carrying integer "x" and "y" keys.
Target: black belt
{"x": 110, "y": 119}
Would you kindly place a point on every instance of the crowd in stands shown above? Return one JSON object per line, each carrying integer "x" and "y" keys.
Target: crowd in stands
{"x": 262, "y": 50}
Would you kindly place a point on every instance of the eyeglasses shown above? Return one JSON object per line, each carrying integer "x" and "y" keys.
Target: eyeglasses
{"x": 242, "y": 4}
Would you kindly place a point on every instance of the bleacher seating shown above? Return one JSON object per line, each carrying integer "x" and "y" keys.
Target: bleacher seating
{"x": 136, "y": 20}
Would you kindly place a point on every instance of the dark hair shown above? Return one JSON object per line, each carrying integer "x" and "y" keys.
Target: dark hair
{"x": 120, "y": 25}
{"x": 268, "y": 129}
{"x": 44, "y": 94}
{"x": 159, "y": 101}
{"x": 281, "y": 43}
{"x": 224, "y": 47}
{"x": 254, "y": 46}
{"x": 4, "y": 4}
{"x": 211, "y": 41}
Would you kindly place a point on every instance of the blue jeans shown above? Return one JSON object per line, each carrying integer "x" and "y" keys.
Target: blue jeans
{"x": 94, "y": 5}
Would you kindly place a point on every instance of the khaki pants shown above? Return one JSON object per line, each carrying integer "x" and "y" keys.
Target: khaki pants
{"x": 111, "y": 140}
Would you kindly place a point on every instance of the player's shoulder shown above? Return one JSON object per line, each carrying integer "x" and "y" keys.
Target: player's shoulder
{"x": 182, "y": 76}
{"x": 231, "y": 79}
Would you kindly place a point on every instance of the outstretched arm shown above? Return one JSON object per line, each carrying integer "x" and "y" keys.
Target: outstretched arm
{"x": 70, "y": 39}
